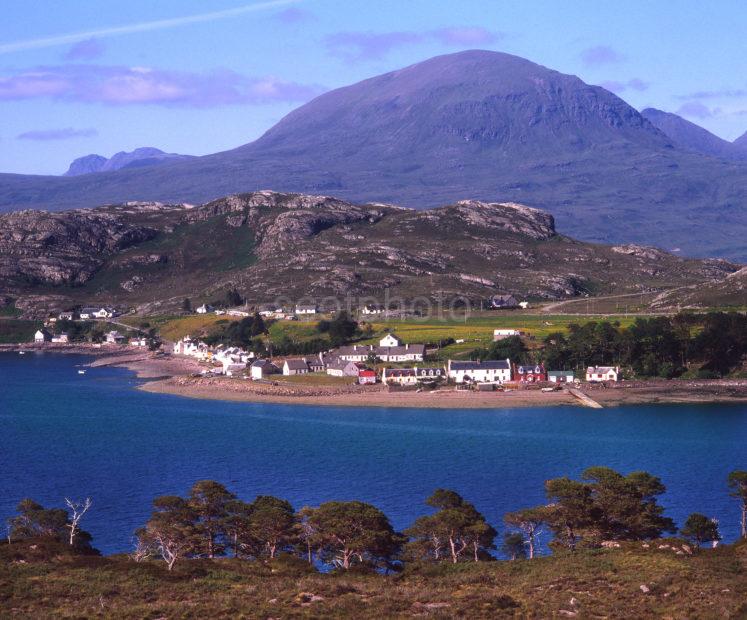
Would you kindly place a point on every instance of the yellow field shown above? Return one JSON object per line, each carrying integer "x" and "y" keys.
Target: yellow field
{"x": 174, "y": 328}
{"x": 476, "y": 331}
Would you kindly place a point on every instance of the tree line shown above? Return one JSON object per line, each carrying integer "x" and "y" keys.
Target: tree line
{"x": 663, "y": 346}
{"x": 211, "y": 521}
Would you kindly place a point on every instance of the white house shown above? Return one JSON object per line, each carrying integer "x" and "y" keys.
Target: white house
{"x": 295, "y": 367}
{"x": 260, "y": 369}
{"x": 399, "y": 353}
{"x": 602, "y": 373}
{"x": 306, "y": 309}
{"x": 271, "y": 311}
{"x": 488, "y": 371}
{"x": 114, "y": 337}
{"x": 41, "y": 336}
{"x": 241, "y": 313}
{"x": 140, "y": 341}
{"x": 232, "y": 368}
{"x": 62, "y": 338}
{"x": 500, "y": 334}
{"x": 204, "y": 309}
{"x": 66, "y": 316}
{"x": 390, "y": 340}
{"x": 343, "y": 368}
{"x": 560, "y": 376}
{"x": 372, "y": 309}
{"x": 412, "y": 376}
{"x": 104, "y": 313}
{"x": 185, "y": 346}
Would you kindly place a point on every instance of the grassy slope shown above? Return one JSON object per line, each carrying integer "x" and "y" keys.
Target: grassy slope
{"x": 15, "y": 330}
{"x": 601, "y": 583}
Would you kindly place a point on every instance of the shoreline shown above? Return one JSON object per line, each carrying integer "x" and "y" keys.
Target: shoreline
{"x": 233, "y": 390}
{"x": 170, "y": 374}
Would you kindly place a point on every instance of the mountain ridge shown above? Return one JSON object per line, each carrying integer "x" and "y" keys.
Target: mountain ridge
{"x": 272, "y": 245}
{"x": 690, "y": 136}
{"x": 139, "y": 157}
{"x": 488, "y": 125}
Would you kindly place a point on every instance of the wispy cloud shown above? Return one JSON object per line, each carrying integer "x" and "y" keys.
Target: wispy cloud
{"x": 725, "y": 93}
{"x": 695, "y": 109}
{"x": 620, "y": 87}
{"x": 293, "y": 15}
{"x": 354, "y": 46}
{"x": 117, "y": 85}
{"x": 67, "y": 133}
{"x": 358, "y": 46}
{"x": 147, "y": 26}
{"x": 475, "y": 35}
{"x": 85, "y": 50}
{"x": 600, "y": 55}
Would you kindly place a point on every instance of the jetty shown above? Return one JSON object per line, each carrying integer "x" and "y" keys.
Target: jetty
{"x": 584, "y": 398}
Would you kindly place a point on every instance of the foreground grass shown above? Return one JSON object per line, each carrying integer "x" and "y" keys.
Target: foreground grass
{"x": 631, "y": 582}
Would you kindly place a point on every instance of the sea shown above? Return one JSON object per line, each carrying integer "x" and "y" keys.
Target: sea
{"x": 66, "y": 434}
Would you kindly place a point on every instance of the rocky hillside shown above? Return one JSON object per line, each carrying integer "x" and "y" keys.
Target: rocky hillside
{"x": 481, "y": 124}
{"x": 274, "y": 245}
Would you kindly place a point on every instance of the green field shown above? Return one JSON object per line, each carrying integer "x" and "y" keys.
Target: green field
{"x": 15, "y": 330}
{"x": 476, "y": 331}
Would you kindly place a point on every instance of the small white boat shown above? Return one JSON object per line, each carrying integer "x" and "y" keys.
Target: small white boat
{"x": 22, "y": 353}
{"x": 81, "y": 372}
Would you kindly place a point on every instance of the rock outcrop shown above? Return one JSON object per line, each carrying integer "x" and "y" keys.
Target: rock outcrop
{"x": 271, "y": 244}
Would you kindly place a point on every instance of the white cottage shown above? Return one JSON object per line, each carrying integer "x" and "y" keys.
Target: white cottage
{"x": 488, "y": 371}
{"x": 596, "y": 374}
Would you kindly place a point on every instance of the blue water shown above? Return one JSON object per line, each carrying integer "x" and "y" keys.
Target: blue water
{"x": 65, "y": 434}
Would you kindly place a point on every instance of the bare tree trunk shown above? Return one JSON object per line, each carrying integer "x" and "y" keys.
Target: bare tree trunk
{"x": 78, "y": 509}
{"x": 531, "y": 543}
{"x": 452, "y": 545}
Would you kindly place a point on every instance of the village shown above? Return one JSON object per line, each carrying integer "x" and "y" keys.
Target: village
{"x": 391, "y": 361}
{"x": 373, "y": 353}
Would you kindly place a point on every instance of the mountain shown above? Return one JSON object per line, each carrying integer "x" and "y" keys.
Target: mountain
{"x": 86, "y": 165}
{"x": 289, "y": 246}
{"x": 687, "y": 135}
{"x": 741, "y": 142}
{"x": 477, "y": 124}
{"x": 139, "y": 158}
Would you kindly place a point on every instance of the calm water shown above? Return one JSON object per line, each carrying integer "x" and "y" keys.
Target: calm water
{"x": 65, "y": 434}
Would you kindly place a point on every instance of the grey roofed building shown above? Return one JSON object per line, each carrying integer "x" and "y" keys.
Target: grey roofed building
{"x": 297, "y": 364}
{"x": 263, "y": 363}
{"x": 476, "y": 365}
{"x": 315, "y": 364}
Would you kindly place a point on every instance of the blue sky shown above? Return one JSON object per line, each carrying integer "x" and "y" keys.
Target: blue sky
{"x": 98, "y": 76}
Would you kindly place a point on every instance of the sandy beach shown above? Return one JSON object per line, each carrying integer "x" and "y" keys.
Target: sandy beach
{"x": 217, "y": 388}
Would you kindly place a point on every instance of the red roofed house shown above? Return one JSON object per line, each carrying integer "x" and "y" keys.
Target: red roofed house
{"x": 366, "y": 376}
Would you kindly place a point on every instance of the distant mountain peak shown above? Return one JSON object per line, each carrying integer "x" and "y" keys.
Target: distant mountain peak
{"x": 139, "y": 158}
{"x": 741, "y": 142}
{"x": 687, "y": 135}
